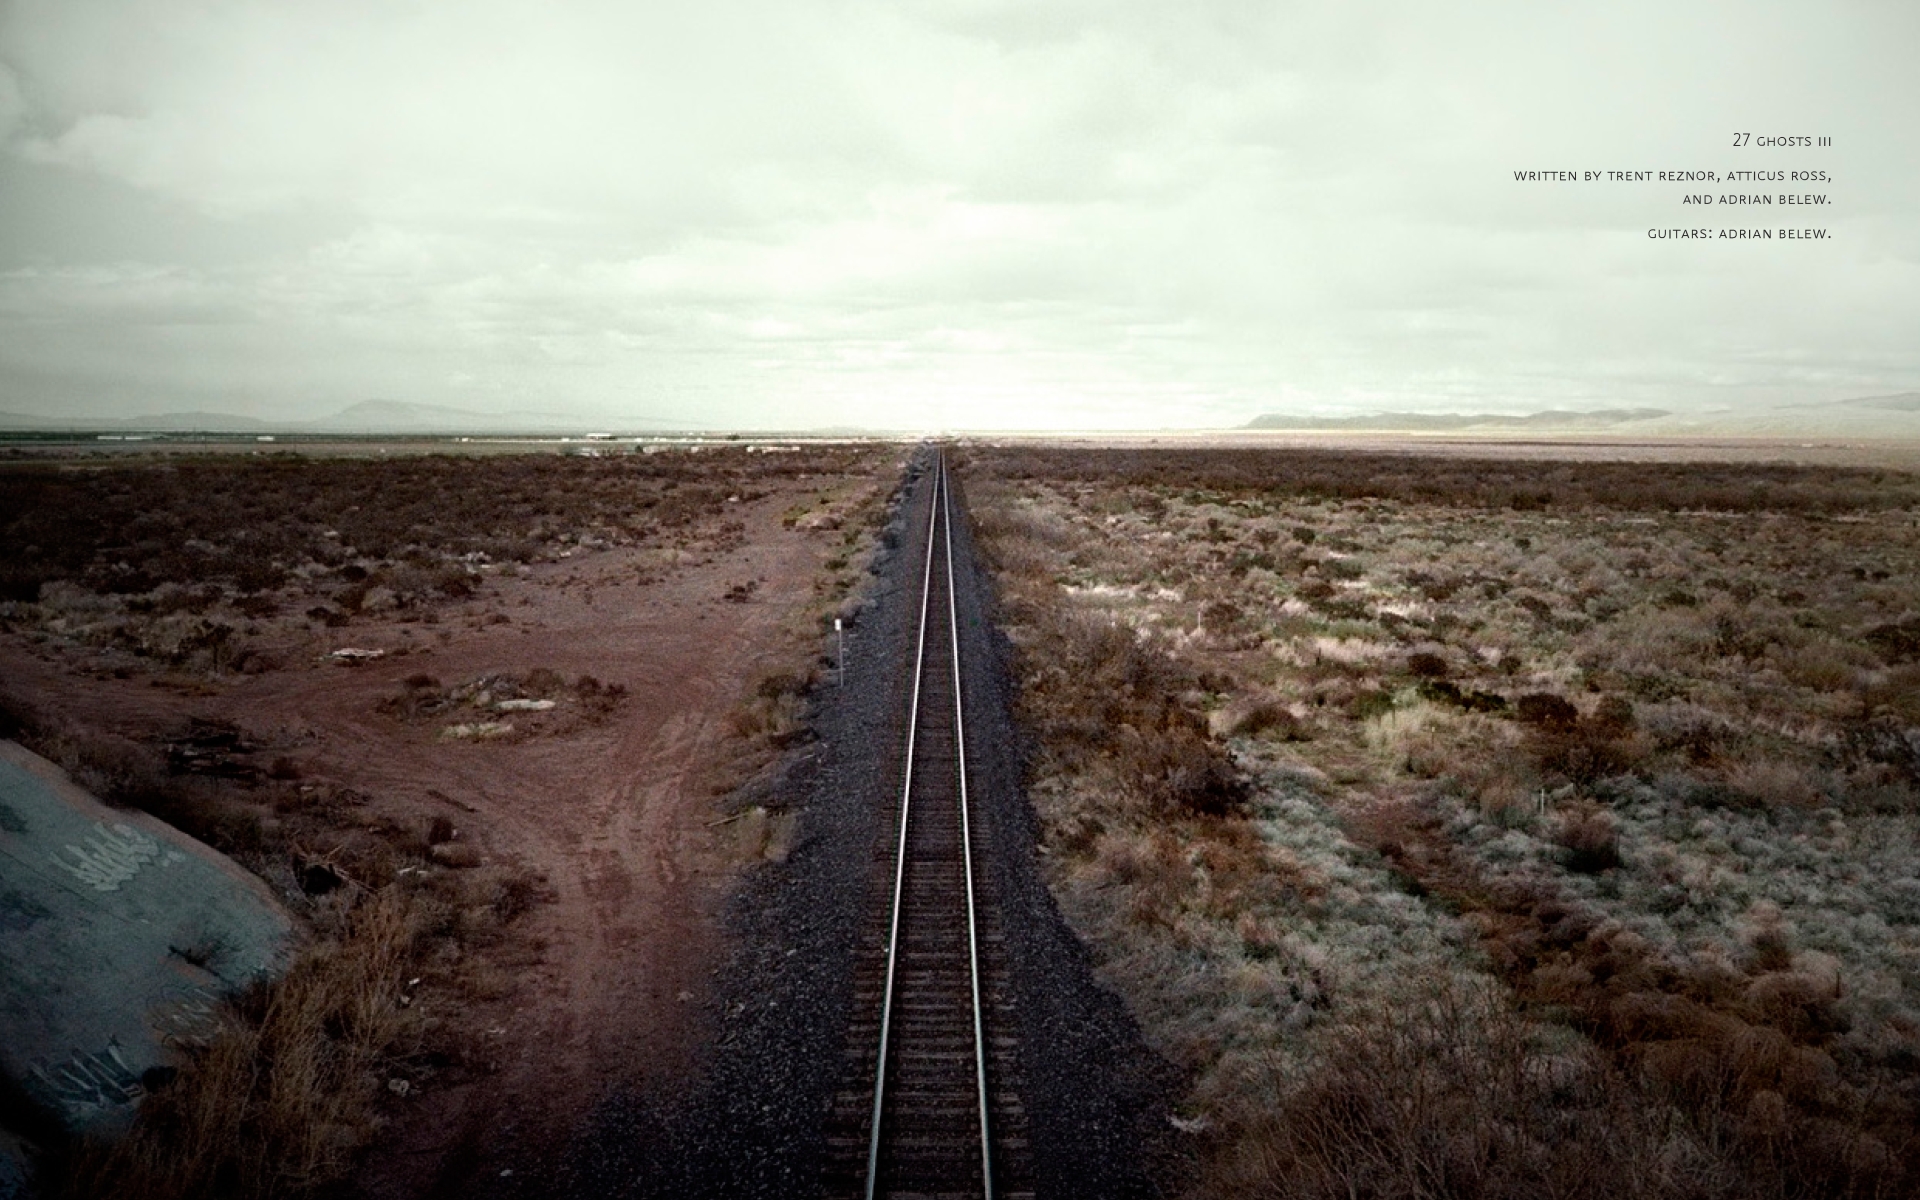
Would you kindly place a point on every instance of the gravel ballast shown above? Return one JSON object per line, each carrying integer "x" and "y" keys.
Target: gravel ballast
{"x": 1097, "y": 1098}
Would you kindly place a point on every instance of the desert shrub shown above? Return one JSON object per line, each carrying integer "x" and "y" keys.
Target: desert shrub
{"x": 1591, "y": 837}
{"x": 597, "y": 698}
{"x": 415, "y": 524}
{"x": 22, "y": 582}
{"x": 1427, "y": 665}
{"x": 1773, "y": 783}
{"x": 775, "y": 711}
{"x": 1185, "y": 774}
{"x": 1445, "y": 691}
{"x": 1885, "y": 741}
{"x": 1118, "y": 702}
{"x": 253, "y": 575}
{"x": 1697, "y": 734}
{"x": 1511, "y": 483}
{"x": 1252, "y": 716}
{"x": 1153, "y": 868}
{"x": 1546, "y": 711}
{"x": 1452, "y": 1093}
{"x": 1895, "y": 641}
{"x": 1222, "y": 617}
{"x": 1725, "y": 650}
{"x": 1614, "y": 714}
{"x": 777, "y": 684}
{"x": 1584, "y": 753}
{"x": 1366, "y": 704}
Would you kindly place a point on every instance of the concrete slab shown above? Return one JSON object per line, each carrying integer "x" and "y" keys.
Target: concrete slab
{"x": 119, "y": 936}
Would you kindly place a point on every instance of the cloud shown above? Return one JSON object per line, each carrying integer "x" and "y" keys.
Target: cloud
{"x": 13, "y": 105}
{"x": 1044, "y": 211}
{"x": 442, "y": 112}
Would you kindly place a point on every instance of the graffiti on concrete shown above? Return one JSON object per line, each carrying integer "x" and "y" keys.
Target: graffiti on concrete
{"x": 89, "y": 1082}
{"x": 187, "y": 1019}
{"x": 110, "y": 857}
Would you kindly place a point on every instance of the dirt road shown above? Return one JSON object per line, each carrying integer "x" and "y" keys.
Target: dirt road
{"x": 617, "y": 815}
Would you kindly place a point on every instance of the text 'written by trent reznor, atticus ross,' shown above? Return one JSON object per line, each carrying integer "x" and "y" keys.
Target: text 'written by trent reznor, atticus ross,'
{"x": 1771, "y": 188}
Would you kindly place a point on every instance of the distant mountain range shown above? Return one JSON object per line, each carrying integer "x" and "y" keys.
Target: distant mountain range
{"x": 1553, "y": 419}
{"x": 368, "y": 417}
{"x": 1904, "y": 402}
{"x": 1895, "y": 416}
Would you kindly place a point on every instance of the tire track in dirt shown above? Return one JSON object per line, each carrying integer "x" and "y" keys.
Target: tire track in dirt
{"x": 615, "y": 815}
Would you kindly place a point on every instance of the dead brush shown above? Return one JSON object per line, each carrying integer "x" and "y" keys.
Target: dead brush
{"x": 1704, "y": 1073}
{"x": 1153, "y": 870}
{"x": 283, "y": 1096}
{"x": 1581, "y": 749}
{"x": 1452, "y": 1093}
{"x": 1697, "y": 1036}
{"x": 1590, "y": 835}
{"x": 1705, "y": 1042}
{"x": 775, "y": 712}
{"x": 1119, "y": 704}
{"x": 1257, "y": 715}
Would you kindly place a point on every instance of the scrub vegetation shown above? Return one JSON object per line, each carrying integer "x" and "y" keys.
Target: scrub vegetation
{"x": 403, "y": 927}
{"x": 186, "y": 574}
{"x": 1487, "y": 828}
{"x": 187, "y": 563}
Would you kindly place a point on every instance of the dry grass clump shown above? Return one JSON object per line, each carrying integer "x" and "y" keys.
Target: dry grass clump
{"x": 775, "y": 713}
{"x": 402, "y": 920}
{"x": 281, "y": 1098}
{"x": 1578, "y": 726}
{"x": 283, "y": 1095}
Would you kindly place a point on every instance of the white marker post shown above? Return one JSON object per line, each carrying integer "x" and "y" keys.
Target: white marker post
{"x": 840, "y": 654}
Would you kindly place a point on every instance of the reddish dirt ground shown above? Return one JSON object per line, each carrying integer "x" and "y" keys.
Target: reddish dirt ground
{"x": 620, "y": 816}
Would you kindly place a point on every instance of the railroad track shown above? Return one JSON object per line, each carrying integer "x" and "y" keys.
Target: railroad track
{"x": 930, "y": 1104}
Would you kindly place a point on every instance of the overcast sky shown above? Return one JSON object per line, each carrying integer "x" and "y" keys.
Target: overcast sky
{"x": 946, "y": 213}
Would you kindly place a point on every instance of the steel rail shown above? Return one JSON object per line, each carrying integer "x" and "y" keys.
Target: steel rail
{"x": 900, "y": 860}
{"x": 941, "y": 506}
{"x": 966, "y": 841}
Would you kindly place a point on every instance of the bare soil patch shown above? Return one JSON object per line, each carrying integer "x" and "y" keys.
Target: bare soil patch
{"x": 553, "y": 670}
